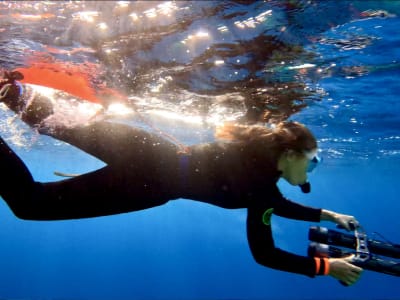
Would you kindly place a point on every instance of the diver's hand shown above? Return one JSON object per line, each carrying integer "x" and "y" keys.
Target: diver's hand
{"x": 346, "y": 221}
{"x": 344, "y": 271}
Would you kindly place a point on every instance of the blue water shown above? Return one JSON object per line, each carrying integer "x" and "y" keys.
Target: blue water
{"x": 189, "y": 250}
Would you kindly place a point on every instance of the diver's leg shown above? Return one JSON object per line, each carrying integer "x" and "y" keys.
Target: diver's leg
{"x": 103, "y": 192}
{"x": 114, "y": 143}
{"x": 17, "y": 181}
{"x": 106, "y": 191}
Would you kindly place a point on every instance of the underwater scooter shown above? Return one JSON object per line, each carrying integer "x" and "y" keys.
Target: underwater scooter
{"x": 368, "y": 253}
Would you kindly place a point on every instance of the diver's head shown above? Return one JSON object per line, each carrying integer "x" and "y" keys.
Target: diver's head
{"x": 294, "y": 166}
{"x": 289, "y": 147}
{"x": 299, "y": 153}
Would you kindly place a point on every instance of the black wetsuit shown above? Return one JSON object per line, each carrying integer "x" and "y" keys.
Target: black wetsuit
{"x": 144, "y": 170}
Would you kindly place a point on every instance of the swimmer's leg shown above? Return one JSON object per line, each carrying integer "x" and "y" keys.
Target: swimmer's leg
{"x": 100, "y": 193}
{"x": 17, "y": 182}
{"x": 106, "y": 191}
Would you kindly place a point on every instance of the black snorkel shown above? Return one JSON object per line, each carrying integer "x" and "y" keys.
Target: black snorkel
{"x": 305, "y": 187}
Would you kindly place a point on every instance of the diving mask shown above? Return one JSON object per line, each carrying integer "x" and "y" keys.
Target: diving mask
{"x": 313, "y": 160}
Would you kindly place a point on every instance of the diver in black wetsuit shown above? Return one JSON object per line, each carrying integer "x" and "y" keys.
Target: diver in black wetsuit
{"x": 144, "y": 170}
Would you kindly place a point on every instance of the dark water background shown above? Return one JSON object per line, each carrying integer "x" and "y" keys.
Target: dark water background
{"x": 333, "y": 65}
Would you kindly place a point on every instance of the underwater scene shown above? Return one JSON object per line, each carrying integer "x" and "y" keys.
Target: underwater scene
{"x": 180, "y": 69}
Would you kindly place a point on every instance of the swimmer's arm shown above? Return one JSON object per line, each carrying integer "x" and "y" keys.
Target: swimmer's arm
{"x": 292, "y": 210}
{"x": 261, "y": 242}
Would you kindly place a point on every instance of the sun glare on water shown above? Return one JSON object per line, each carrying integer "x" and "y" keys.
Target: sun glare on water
{"x": 119, "y": 109}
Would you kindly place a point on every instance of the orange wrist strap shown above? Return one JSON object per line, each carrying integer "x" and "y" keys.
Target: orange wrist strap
{"x": 327, "y": 266}
{"x": 317, "y": 264}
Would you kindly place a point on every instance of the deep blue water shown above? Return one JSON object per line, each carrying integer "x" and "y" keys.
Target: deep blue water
{"x": 189, "y": 250}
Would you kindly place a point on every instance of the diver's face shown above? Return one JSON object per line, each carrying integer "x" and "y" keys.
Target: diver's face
{"x": 294, "y": 167}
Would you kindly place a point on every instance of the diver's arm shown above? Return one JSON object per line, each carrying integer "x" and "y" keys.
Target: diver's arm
{"x": 292, "y": 210}
{"x": 262, "y": 246}
{"x": 288, "y": 209}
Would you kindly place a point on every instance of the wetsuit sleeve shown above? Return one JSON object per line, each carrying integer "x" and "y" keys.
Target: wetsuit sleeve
{"x": 292, "y": 210}
{"x": 264, "y": 251}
